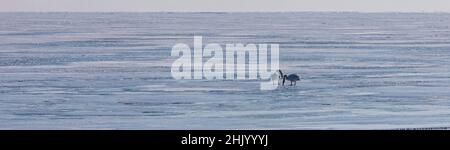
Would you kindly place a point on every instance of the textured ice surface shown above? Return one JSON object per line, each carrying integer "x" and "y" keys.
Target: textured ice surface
{"x": 112, "y": 71}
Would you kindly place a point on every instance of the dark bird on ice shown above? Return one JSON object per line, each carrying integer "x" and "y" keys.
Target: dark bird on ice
{"x": 292, "y": 77}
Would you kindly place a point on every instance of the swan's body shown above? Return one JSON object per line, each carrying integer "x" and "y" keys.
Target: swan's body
{"x": 292, "y": 77}
{"x": 277, "y": 76}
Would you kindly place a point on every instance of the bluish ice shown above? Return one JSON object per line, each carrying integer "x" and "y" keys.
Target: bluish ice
{"x": 112, "y": 71}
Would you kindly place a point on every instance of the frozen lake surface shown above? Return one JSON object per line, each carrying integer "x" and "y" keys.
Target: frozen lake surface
{"x": 112, "y": 71}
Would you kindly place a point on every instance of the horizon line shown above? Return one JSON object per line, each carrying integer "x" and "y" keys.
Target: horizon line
{"x": 224, "y": 11}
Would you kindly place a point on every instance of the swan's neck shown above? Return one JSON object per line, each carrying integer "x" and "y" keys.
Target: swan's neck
{"x": 281, "y": 73}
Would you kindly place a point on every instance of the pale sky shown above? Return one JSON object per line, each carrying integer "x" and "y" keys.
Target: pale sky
{"x": 226, "y": 5}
